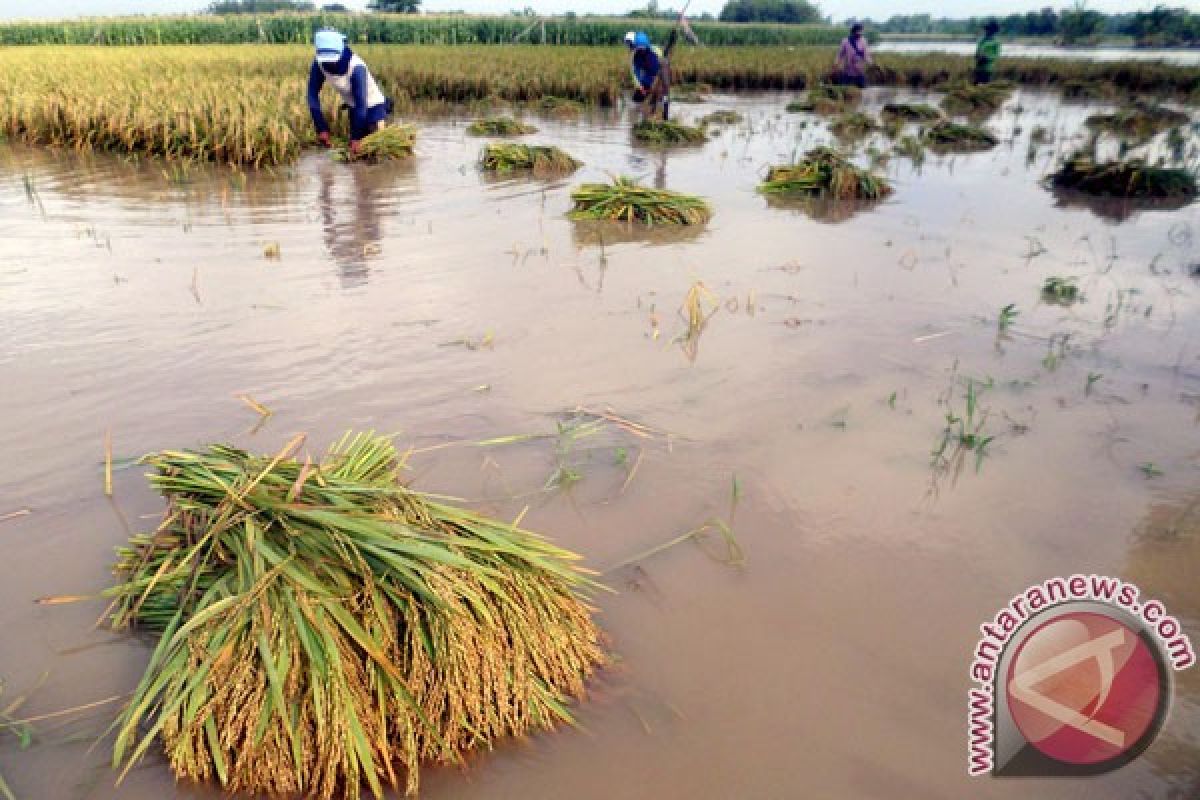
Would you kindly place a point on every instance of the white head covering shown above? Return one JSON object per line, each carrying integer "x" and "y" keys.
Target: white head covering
{"x": 329, "y": 44}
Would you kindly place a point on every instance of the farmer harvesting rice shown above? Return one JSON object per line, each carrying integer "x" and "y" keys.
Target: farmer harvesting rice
{"x": 853, "y": 58}
{"x": 651, "y": 75}
{"x": 348, "y": 74}
{"x": 987, "y": 53}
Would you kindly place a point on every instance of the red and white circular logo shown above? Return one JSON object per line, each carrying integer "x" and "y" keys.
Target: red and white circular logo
{"x": 1085, "y": 689}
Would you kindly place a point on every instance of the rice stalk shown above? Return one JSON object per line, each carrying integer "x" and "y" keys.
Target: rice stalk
{"x": 390, "y": 143}
{"x": 826, "y": 98}
{"x": 723, "y": 117}
{"x": 953, "y": 137}
{"x": 853, "y": 125}
{"x": 626, "y": 200}
{"x": 323, "y": 626}
{"x": 911, "y": 112}
{"x": 1132, "y": 178}
{"x": 825, "y": 172}
{"x": 540, "y": 159}
{"x": 1139, "y": 122}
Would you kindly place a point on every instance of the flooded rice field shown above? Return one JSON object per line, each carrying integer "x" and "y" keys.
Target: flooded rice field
{"x": 825, "y": 654}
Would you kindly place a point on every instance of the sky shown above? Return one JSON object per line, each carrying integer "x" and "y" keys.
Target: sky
{"x": 876, "y": 9}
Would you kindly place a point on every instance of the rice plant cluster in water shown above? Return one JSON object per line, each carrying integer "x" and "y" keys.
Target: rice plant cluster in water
{"x": 853, "y": 125}
{"x": 323, "y": 627}
{"x": 540, "y": 159}
{"x": 723, "y": 117}
{"x": 911, "y": 112}
{"x": 1139, "y": 122}
{"x": 953, "y": 137}
{"x": 500, "y": 126}
{"x": 826, "y": 98}
{"x": 665, "y": 132}
{"x": 1132, "y": 178}
{"x": 626, "y": 200}
{"x": 978, "y": 100}
{"x": 825, "y": 172}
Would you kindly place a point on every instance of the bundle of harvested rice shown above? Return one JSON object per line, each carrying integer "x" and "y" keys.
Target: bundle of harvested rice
{"x": 911, "y": 112}
{"x": 499, "y": 126}
{"x": 952, "y": 137}
{"x": 826, "y": 98}
{"x": 722, "y": 117}
{"x": 1080, "y": 89}
{"x": 665, "y": 132}
{"x": 625, "y": 200}
{"x": 540, "y": 159}
{"x": 323, "y": 626}
{"x": 978, "y": 100}
{"x": 1139, "y": 122}
{"x": 1132, "y": 178}
{"x": 853, "y": 124}
{"x": 825, "y": 172}
{"x": 386, "y": 144}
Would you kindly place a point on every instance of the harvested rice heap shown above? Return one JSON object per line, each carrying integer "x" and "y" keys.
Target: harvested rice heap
{"x": 825, "y": 98}
{"x": 386, "y": 144}
{"x": 324, "y": 627}
{"x": 1130, "y": 178}
{"x": 978, "y": 100}
{"x": 653, "y": 131}
{"x": 539, "y": 159}
{"x": 500, "y": 126}
{"x": 952, "y": 137}
{"x": 626, "y": 200}
{"x": 825, "y": 172}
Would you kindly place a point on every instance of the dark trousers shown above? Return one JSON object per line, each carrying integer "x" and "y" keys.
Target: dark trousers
{"x": 982, "y": 76}
{"x": 852, "y": 80}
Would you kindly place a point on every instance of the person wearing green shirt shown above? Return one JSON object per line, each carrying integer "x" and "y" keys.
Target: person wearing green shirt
{"x": 987, "y": 53}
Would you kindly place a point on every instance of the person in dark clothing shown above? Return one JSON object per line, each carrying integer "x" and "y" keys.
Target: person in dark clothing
{"x": 987, "y": 53}
{"x": 337, "y": 65}
{"x": 651, "y": 75}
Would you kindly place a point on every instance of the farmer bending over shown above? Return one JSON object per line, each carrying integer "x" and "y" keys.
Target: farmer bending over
{"x": 987, "y": 53}
{"x": 853, "y": 58}
{"x": 348, "y": 74}
{"x": 651, "y": 75}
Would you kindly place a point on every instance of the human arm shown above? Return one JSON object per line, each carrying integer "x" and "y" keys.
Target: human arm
{"x": 316, "y": 79}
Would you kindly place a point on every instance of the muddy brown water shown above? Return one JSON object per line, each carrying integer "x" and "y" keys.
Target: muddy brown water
{"x": 834, "y": 663}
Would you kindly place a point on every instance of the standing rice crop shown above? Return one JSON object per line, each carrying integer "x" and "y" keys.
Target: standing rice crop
{"x": 323, "y": 627}
{"x": 625, "y": 200}
{"x": 539, "y": 159}
{"x": 825, "y": 172}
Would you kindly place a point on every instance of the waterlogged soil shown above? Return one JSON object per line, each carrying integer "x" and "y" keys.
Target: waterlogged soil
{"x": 428, "y": 300}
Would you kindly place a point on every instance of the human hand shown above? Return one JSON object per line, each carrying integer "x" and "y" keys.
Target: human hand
{"x": 323, "y": 138}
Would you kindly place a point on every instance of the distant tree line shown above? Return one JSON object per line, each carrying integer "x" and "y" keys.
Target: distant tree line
{"x": 1162, "y": 27}
{"x": 795, "y": 12}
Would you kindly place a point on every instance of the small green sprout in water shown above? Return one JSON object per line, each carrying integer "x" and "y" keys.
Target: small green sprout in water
{"x": 621, "y": 457}
{"x": 1008, "y": 315}
{"x": 891, "y": 401}
{"x": 1150, "y": 470}
{"x": 1060, "y": 291}
{"x": 964, "y": 434}
{"x": 1092, "y": 378}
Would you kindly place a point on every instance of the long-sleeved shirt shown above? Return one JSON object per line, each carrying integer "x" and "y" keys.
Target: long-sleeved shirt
{"x": 987, "y": 54}
{"x": 647, "y": 64}
{"x": 853, "y": 57}
{"x": 362, "y": 117}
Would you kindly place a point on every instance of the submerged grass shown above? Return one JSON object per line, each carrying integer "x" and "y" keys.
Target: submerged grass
{"x": 952, "y": 137}
{"x": 500, "y": 126}
{"x": 665, "y": 132}
{"x": 624, "y": 199}
{"x": 323, "y": 627}
{"x": 825, "y": 172}
{"x": 540, "y": 159}
{"x": 1139, "y": 122}
{"x": 1132, "y": 178}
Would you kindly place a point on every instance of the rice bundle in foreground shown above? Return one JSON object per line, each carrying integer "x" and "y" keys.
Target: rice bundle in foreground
{"x": 654, "y": 131}
{"x": 624, "y": 199}
{"x": 825, "y": 172}
{"x": 386, "y": 144}
{"x": 1132, "y": 178}
{"x": 540, "y": 159}
{"x": 323, "y": 626}
{"x": 499, "y": 126}
{"x": 952, "y": 137}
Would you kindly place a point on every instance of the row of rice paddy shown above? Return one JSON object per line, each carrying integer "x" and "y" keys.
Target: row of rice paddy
{"x": 245, "y": 105}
